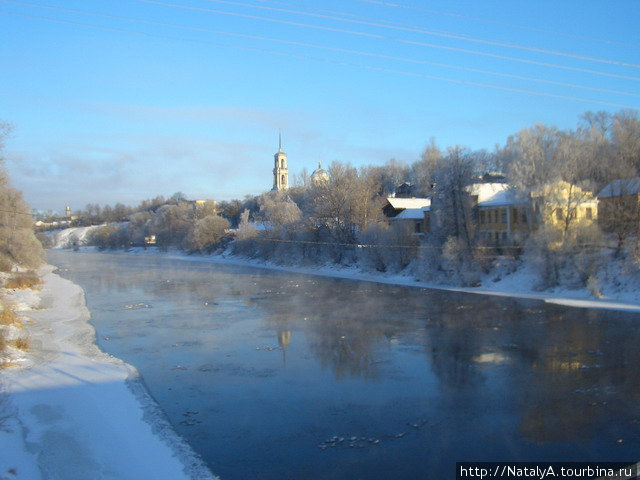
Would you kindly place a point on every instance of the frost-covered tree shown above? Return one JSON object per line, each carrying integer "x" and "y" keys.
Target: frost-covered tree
{"x": 171, "y": 223}
{"x": 207, "y": 232}
{"x": 346, "y": 204}
{"x": 18, "y": 243}
{"x": 530, "y": 157}
{"x": 278, "y": 209}
{"x": 139, "y": 227}
{"x": 246, "y": 229}
{"x": 625, "y": 137}
{"x": 423, "y": 171}
{"x": 387, "y": 247}
{"x": 451, "y": 203}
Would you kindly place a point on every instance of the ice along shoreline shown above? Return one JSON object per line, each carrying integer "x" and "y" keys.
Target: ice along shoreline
{"x": 80, "y": 413}
{"x": 76, "y": 412}
{"x": 517, "y": 285}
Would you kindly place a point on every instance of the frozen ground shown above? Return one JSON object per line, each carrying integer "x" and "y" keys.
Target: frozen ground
{"x": 69, "y": 411}
{"x": 69, "y": 237}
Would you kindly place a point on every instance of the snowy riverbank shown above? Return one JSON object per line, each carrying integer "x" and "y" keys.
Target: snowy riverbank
{"x": 518, "y": 284}
{"x": 70, "y": 411}
{"x": 617, "y": 281}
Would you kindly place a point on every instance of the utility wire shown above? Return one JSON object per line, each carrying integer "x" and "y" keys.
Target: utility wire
{"x": 417, "y": 29}
{"x": 15, "y": 212}
{"x": 376, "y": 36}
{"x": 342, "y": 63}
{"x": 495, "y": 22}
{"x": 416, "y": 247}
{"x": 383, "y": 37}
{"x": 367, "y": 54}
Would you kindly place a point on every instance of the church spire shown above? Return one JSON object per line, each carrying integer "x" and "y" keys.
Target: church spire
{"x": 280, "y": 170}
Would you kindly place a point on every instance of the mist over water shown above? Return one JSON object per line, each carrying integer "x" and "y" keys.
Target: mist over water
{"x": 276, "y": 375}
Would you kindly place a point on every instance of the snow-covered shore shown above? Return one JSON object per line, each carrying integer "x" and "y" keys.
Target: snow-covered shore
{"x": 70, "y": 411}
{"x": 618, "y": 283}
{"x": 518, "y": 284}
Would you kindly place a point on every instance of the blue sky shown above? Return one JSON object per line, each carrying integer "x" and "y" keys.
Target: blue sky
{"x": 122, "y": 100}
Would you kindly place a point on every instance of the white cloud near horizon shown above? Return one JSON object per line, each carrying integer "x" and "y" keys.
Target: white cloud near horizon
{"x": 131, "y": 152}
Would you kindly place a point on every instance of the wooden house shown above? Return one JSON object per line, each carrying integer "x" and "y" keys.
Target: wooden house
{"x": 619, "y": 207}
{"x": 395, "y": 205}
{"x": 417, "y": 218}
{"x": 503, "y": 218}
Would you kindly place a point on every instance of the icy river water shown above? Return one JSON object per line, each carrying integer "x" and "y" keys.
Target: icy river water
{"x": 276, "y": 375}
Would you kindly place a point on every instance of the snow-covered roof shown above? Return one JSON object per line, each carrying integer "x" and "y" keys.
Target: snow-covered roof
{"x": 504, "y": 197}
{"x": 622, "y": 186}
{"x": 485, "y": 191}
{"x": 408, "y": 202}
{"x": 411, "y": 214}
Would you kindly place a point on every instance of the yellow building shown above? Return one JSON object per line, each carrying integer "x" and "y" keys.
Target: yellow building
{"x": 561, "y": 203}
{"x": 505, "y": 215}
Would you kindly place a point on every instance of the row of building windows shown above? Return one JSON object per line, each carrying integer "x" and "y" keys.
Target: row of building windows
{"x": 588, "y": 213}
{"x": 499, "y": 215}
{"x": 492, "y": 216}
{"x": 496, "y": 237}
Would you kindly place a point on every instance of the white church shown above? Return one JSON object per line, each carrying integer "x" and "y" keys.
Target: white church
{"x": 281, "y": 171}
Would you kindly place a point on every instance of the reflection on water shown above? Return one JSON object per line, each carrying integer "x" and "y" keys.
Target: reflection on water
{"x": 277, "y": 375}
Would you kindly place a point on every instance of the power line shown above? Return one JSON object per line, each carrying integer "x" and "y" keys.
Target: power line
{"x": 367, "y": 54}
{"x": 415, "y": 247}
{"x": 497, "y": 22}
{"x": 15, "y": 212}
{"x": 382, "y": 37}
{"x": 417, "y": 29}
{"x": 428, "y": 45}
{"x": 342, "y": 63}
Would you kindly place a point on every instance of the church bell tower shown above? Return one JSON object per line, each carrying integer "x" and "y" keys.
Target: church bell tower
{"x": 280, "y": 170}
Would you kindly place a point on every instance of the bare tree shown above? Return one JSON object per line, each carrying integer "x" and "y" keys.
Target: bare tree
{"x": 451, "y": 204}
{"x": 423, "y": 171}
{"x": 530, "y": 157}
{"x": 625, "y": 133}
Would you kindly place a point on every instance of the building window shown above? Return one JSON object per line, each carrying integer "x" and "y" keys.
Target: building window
{"x": 417, "y": 227}
{"x": 481, "y": 217}
{"x": 503, "y": 215}
{"x": 495, "y": 216}
{"x": 559, "y": 214}
{"x": 283, "y": 181}
{"x": 282, "y": 163}
{"x": 515, "y": 215}
{"x": 524, "y": 217}
{"x": 504, "y": 236}
{"x": 588, "y": 213}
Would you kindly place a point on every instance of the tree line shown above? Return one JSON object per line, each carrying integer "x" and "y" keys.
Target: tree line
{"x": 338, "y": 220}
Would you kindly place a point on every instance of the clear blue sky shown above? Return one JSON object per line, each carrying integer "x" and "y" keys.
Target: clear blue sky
{"x": 122, "y": 100}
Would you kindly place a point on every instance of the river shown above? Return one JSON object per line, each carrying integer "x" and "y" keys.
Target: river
{"x": 276, "y": 375}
